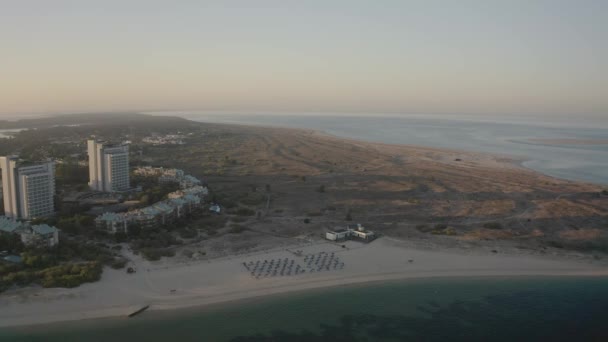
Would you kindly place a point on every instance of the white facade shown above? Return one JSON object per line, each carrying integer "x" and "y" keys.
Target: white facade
{"x": 28, "y": 190}
{"x": 337, "y": 235}
{"x": 344, "y": 234}
{"x": 108, "y": 167}
{"x": 41, "y": 235}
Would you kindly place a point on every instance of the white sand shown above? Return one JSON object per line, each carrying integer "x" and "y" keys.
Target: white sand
{"x": 205, "y": 282}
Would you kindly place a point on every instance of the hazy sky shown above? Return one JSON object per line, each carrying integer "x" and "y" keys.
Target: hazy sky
{"x": 494, "y": 57}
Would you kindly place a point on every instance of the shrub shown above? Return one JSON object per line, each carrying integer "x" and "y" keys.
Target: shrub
{"x": 253, "y": 199}
{"x": 118, "y": 264}
{"x": 492, "y": 225}
{"x": 239, "y": 219}
{"x": 446, "y": 231}
{"x": 154, "y": 254}
{"x": 237, "y": 228}
{"x": 69, "y": 275}
{"x": 321, "y": 188}
{"x": 306, "y": 220}
{"x": 245, "y": 212}
{"x": 423, "y": 228}
{"x": 188, "y": 233}
{"x": 440, "y": 226}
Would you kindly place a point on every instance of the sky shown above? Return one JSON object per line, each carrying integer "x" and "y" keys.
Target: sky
{"x": 482, "y": 57}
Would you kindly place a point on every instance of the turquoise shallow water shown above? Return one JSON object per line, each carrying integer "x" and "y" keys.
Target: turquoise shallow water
{"x": 463, "y": 309}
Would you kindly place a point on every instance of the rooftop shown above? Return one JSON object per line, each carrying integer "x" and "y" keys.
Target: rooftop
{"x": 110, "y": 217}
{"x": 44, "y": 229}
{"x": 8, "y": 225}
{"x": 341, "y": 230}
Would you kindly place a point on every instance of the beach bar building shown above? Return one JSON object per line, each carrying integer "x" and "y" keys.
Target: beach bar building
{"x": 337, "y": 235}
{"x": 357, "y": 232}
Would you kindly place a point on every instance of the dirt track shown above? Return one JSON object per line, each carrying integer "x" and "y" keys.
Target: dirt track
{"x": 393, "y": 189}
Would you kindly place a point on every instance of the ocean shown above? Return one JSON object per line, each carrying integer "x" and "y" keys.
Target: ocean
{"x": 435, "y": 309}
{"x": 522, "y": 139}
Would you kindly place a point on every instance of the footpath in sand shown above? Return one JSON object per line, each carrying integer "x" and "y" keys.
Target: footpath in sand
{"x": 170, "y": 285}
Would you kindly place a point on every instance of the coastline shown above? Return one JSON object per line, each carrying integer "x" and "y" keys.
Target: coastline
{"x": 519, "y": 156}
{"x": 221, "y": 280}
{"x": 118, "y": 294}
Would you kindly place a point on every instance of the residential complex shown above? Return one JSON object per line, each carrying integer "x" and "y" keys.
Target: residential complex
{"x": 179, "y": 204}
{"x": 31, "y": 235}
{"x": 169, "y": 139}
{"x": 108, "y": 166}
{"x": 168, "y": 176}
{"x": 28, "y": 189}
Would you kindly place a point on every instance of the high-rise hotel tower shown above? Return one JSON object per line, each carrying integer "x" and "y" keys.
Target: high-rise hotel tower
{"x": 28, "y": 189}
{"x": 108, "y": 166}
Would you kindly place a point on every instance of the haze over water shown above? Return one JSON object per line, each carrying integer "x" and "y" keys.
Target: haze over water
{"x": 519, "y": 139}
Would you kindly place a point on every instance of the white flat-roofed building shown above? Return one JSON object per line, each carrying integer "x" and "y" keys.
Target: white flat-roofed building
{"x": 357, "y": 232}
{"x": 28, "y": 189}
{"x": 337, "y": 235}
{"x": 364, "y": 235}
{"x": 108, "y": 166}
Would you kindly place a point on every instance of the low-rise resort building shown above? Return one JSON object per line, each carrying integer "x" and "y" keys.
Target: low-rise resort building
{"x": 31, "y": 235}
{"x": 355, "y": 233}
{"x": 180, "y": 203}
{"x": 168, "y": 176}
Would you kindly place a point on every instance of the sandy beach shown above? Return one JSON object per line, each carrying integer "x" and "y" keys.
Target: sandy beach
{"x": 503, "y": 220}
{"x": 168, "y": 285}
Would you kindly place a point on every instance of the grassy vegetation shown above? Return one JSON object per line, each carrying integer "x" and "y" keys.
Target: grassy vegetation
{"x": 154, "y": 254}
{"x": 237, "y": 228}
{"x": 438, "y": 229}
{"x": 242, "y": 211}
{"x": 252, "y": 198}
{"x": 597, "y": 245}
{"x": 67, "y": 265}
{"x": 492, "y": 225}
{"x": 445, "y": 231}
{"x": 154, "y": 244}
{"x": 152, "y": 191}
{"x": 423, "y": 228}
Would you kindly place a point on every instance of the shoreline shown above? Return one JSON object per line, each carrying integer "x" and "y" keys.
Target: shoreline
{"x": 172, "y": 284}
{"x": 516, "y": 160}
{"x": 227, "y": 284}
{"x": 280, "y": 291}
